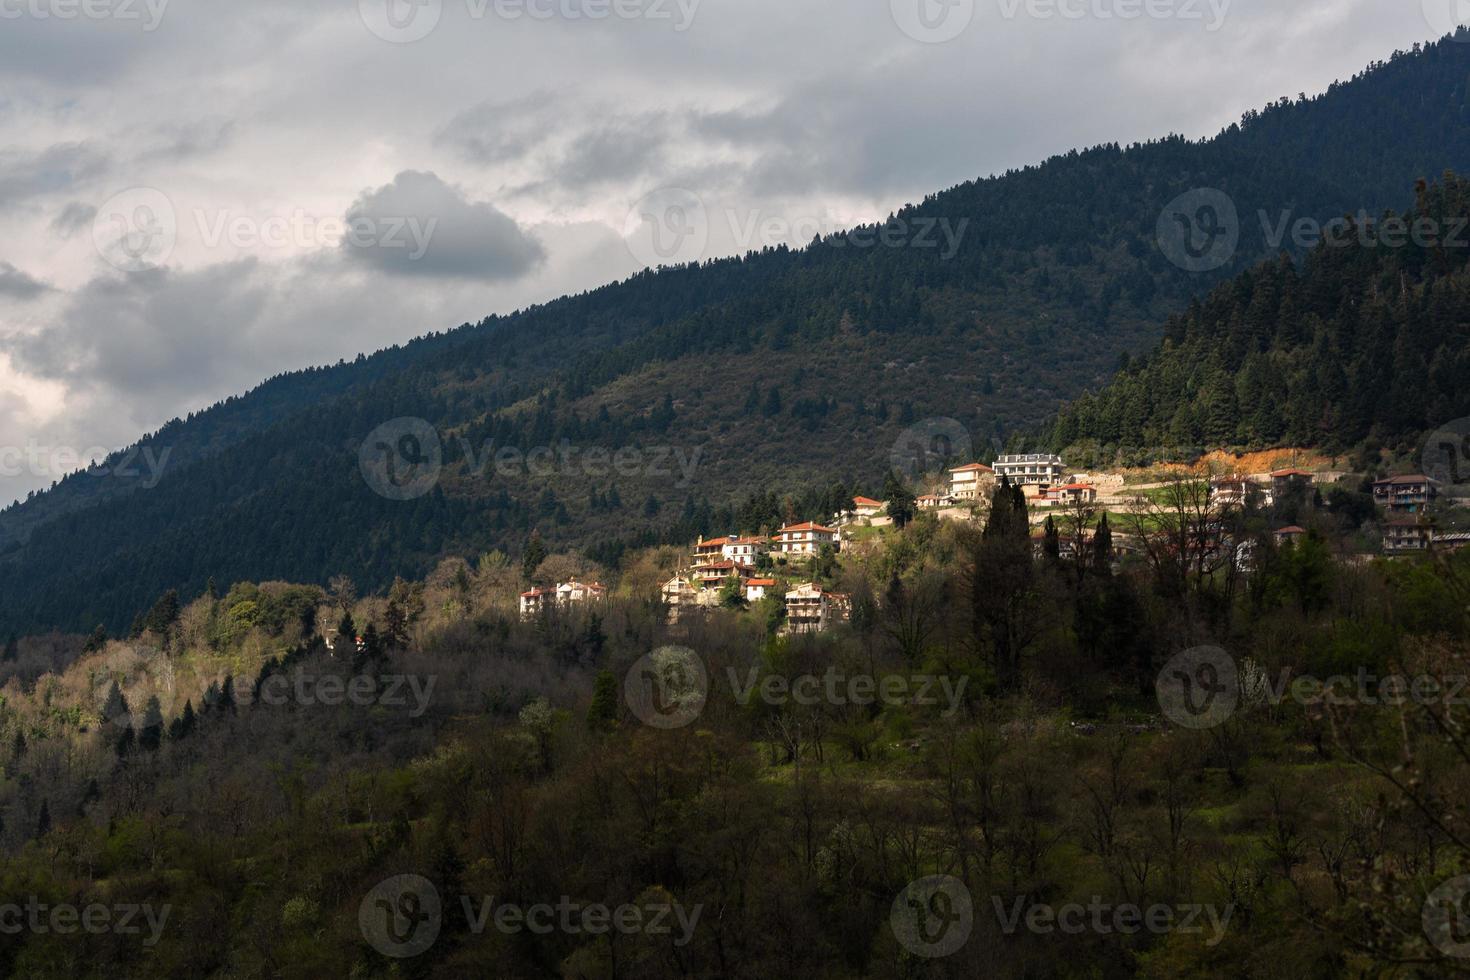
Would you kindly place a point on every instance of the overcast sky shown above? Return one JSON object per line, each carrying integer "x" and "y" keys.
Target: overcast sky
{"x": 197, "y": 194}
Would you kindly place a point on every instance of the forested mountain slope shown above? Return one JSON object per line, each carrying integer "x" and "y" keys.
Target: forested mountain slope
{"x": 1368, "y": 341}
{"x": 780, "y": 369}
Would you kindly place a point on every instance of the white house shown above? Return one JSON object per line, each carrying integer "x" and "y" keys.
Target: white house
{"x": 812, "y": 609}
{"x": 803, "y": 540}
{"x": 867, "y": 507}
{"x": 756, "y": 588}
{"x": 1030, "y": 469}
{"x": 742, "y": 551}
{"x": 536, "y": 599}
{"x": 970, "y": 482}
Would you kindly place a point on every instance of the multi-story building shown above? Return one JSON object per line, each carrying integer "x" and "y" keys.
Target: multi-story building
{"x": 540, "y": 598}
{"x": 1030, "y": 469}
{"x": 803, "y": 540}
{"x": 867, "y": 507}
{"x": 1406, "y": 534}
{"x": 970, "y": 482}
{"x": 742, "y": 551}
{"x": 812, "y": 609}
{"x": 1405, "y": 494}
{"x": 1286, "y": 482}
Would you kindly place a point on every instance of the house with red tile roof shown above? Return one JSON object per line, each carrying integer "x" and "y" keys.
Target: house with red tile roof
{"x": 803, "y": 540}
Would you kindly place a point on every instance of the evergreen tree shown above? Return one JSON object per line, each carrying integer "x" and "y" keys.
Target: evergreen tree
{"x": 97, "y": 640}
{"x": 602, "y": 714}
{"x": 125, "y": 742}
{"x": 1102, "y": 547}
{"x": 534, "y": 555}
{"x": 900, "y": 500}
{"x": 1052, "y": 544}
{"x": 43, "y": 822}
{"x": 181, "y": 727}
{"x": 150, "y": 734}
{"x": 346, "y": 635}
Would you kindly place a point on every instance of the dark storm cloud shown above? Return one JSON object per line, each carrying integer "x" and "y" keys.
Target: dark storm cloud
{"x": 420, "y": 226}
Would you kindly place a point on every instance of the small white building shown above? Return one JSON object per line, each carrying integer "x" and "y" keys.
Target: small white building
{"x": 867, "y": 507}
{"x": 757, "y": 588}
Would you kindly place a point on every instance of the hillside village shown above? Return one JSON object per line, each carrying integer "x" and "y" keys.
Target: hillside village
{"x": 1067, "y": 510}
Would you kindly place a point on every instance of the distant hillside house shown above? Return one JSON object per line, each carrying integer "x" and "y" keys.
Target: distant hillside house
{"x": 867, "y": 507}
{"x": 742, "y": 551}
{"x": 803, "y": 540}
{"x": 564, "y": 594}
{"x": 1405, "y": 494}
{"x": 1406, "y": 534}
{"x": 533, "y": 601}
{"x": 933, "y": 501}
{"x": 812, "y": 609}
{"x": 1072, "y": 493}
{"x": 712, "y": 574}
{"x": 1290, "y": 534}
{"x": 1236, "y": 491}
{"x": 970, "y": 482}
{"x": 1284, "y": 482}
{"x": 756, "y": 588}
{"x": 678, "y": 591}
{"x": 1030, "y": 469}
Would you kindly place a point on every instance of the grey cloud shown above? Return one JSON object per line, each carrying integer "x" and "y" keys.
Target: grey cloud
{"x": 60, "y": 167}
{"x": 73, "y": 218}
{"x": 420, "y": 226}
{"x": 177, "y": 141}
{"x": 19, "y": 285}
{"x": 159, "y": 331}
